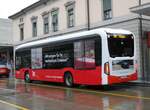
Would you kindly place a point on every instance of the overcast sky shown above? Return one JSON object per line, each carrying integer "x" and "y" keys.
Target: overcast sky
{"x": 10, "y": 7}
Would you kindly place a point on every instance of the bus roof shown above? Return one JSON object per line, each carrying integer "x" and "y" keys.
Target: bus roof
{"x": 65, "y": 37}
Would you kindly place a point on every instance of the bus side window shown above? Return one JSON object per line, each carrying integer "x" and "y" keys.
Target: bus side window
{"x": 23, "y": 59}
{"x": 90, "y": 54}
{"x": 79, "y": 55}
{"x": 58, "y": 56}
{"x": 18, "y": 63}
{"x": 98, "y": 51}
{"x": 85, "y": 54}
{"x": 36, "y": 58}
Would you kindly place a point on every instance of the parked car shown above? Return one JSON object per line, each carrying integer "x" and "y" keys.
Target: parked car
{"x": 4, "y": 71}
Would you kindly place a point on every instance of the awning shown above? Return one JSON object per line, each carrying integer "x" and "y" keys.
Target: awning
{"x": 141, "y": 9}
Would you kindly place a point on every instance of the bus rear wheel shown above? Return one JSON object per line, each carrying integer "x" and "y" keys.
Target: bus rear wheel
{"x": 68, "y": 79}
{"x": 27, "y": 78}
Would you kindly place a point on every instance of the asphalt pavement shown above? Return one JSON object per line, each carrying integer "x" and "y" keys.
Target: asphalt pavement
{"x": 16, "y": 95}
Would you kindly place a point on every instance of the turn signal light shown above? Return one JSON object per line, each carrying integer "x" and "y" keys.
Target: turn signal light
{"x": 106, "y": 68}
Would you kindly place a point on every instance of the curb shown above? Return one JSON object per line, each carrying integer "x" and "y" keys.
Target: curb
{"x": 143, "y": 84}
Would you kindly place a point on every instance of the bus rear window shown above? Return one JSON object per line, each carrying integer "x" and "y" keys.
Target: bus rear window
{"x": 120, "y": 45}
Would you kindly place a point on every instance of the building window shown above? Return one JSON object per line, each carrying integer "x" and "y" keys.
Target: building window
{"x": 45, "y": 16}
{"x": 21, "y": 20}
{"x": 46, "y": 25}
{"x": 55, "y": 20}
{"x": 21, "y": 27}
{"x": 34, "y": 26}
{"x": 107, "y": 9}
{"x": 21, "y": 34}
{"x": 70, "y": 7}
{"x": 34, "y": 29}
{"x": 71, "y": 17}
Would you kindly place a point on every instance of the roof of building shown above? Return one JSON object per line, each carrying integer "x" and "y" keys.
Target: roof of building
{"x": 32, "y": 6}
{"x": 5, "y": 20}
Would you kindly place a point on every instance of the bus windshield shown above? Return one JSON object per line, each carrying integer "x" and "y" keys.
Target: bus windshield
{"x": 120, "y": 45}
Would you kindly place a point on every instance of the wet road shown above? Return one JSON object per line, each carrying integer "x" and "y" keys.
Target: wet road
{"x": 15, "y": 95}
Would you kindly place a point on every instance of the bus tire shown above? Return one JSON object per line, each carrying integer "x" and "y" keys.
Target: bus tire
{"x": 27, "y": 77}
{"x": 68, "y": 79}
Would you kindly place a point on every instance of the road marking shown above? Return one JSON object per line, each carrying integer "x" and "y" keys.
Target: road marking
{"x": 97, "y": 92}
{"x": 10, "y": 104}
{"x": 14, "y": 105}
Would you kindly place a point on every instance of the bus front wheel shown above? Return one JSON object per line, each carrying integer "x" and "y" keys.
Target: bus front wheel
{"x": 27, "y": 78}
{"x": 68, "y": 79}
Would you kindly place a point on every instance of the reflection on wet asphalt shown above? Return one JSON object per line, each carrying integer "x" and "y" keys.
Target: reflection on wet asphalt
{"x": 53, "y": 97}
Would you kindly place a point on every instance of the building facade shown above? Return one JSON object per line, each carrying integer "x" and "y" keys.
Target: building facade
{"x": 49, "y": 18}
{"x": 143, "y": 9}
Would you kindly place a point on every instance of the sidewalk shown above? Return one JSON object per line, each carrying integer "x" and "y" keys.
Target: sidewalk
{"x": 140, "y": 83}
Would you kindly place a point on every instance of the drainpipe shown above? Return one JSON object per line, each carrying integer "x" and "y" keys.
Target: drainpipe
{"x": 142, "y": 46}
{"x": 140, "y": 2}
{"x": 88, "y": 14}
{"x": 14, "y": 62}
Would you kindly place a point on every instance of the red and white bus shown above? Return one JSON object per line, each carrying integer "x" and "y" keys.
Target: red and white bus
{"x": 97, "y": 57}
